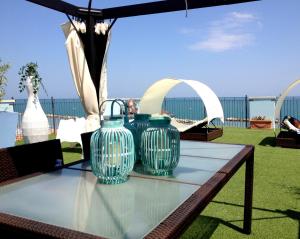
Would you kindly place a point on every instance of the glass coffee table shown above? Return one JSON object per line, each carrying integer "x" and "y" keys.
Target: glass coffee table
{"x": 69, "y": 202}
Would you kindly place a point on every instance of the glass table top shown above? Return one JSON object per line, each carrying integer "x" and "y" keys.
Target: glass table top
{"x": 74, "y": 199}
{"x": 209, "y": 150}
{"x": 198, "y": 162}
{"x": 190, "y": 170}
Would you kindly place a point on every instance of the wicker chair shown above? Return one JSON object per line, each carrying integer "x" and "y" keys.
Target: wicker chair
{"x": 26, "y": 159}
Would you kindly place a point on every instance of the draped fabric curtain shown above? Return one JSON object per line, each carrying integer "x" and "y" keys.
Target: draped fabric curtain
{"x": 81, "y": 74}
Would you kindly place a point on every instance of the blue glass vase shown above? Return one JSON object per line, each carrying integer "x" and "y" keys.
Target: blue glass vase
{"x": 160, "y": 147}
{"x": 112, "y": 152}
{"x": 140, "y": 123}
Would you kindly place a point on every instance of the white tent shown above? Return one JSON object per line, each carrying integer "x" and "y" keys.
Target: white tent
{"x": 282, "y": 97}
{"x": 81, "y": 75}
{"x": 152, "y": 100}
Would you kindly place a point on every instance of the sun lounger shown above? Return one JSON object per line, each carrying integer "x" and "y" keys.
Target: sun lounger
{"x": 184, "y": 125}
{"x": 152, "y": 101}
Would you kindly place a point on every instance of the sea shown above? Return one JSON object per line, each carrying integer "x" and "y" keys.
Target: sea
{"x": 237, "y": 110}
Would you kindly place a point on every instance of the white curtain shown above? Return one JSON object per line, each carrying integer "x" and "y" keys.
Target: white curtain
{"x": 81, "y": 75}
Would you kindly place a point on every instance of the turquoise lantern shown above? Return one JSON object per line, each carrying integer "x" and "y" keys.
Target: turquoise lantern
{"x": 127, "y": 124}
{"x": 160, "y": 147}
{"x": 112, "y": 151}
{"x": 140, "y": 123}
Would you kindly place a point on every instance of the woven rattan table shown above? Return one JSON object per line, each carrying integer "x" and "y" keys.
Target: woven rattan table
{"x": 70, "y": 203}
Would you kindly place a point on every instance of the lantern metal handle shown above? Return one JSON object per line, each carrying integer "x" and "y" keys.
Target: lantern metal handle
{"x": 101, "y": 105}
{"x": 126, "y": 119}
{"x": 118, "y": 102}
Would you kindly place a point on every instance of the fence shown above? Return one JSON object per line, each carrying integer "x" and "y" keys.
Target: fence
{"x": 291, "y": 106}
{"x": 236, "y": 109}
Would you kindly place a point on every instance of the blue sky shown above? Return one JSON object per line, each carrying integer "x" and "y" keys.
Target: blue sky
{"x": 251, "y": 48}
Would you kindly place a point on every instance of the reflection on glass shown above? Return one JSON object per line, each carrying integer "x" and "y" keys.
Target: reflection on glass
{"x": 105, "y": 210}
{"x": 159, "y": 200}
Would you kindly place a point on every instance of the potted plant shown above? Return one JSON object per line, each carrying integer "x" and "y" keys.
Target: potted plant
{"x": 3, "y": 79}
{"x": 260, "y": 122}
{"x": 35, "y": 126}
{"x": 5, "y": 105}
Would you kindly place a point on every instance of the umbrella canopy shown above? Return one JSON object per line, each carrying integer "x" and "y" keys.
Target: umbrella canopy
{"x": 91, "y": 94}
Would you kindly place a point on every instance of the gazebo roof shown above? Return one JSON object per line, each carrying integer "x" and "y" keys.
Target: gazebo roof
{"x": 132, "y": 10}
{"x": 95, "y": 45}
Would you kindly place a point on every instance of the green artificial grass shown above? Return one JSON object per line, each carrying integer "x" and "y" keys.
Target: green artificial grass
{"x": 276, "y": 204}
{"x": 71, "y": 152}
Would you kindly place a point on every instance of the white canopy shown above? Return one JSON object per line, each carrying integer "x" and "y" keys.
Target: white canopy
{"x": 282, "y": 97}
{"x": 81, "y": 75}
{"x": 151, "y": 102}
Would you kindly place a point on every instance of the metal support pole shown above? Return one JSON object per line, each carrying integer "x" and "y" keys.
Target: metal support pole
{"x": 280, "y": 117}
{"x": 53, "y": 115}
{"x": 246, "y": 111}
{"x": 248, "y": 193}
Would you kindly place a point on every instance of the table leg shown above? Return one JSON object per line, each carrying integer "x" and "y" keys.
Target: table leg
{"x": 248, "y": 194}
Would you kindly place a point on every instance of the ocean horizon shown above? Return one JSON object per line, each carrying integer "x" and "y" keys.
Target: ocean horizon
{"x": 236, "y": 109}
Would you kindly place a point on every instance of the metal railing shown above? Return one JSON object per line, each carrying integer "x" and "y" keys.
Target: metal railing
{"x": 236, "y": 109}
{"x": 291, "y": 106}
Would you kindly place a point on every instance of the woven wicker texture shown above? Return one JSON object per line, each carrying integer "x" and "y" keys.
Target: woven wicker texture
{"x": 16, "y": 227}
{"x": 8, "y": 169}
{"x": 29, "y": 158}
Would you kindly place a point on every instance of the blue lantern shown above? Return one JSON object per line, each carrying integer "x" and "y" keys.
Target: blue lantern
{"x": 160, "y": 147}
{"x": 127, "y": 124}
{"x": 140, "y": 123}
{"x": 112, "y": 152}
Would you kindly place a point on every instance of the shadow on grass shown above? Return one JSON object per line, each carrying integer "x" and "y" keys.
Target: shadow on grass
{"x": 296, "y": 191}
{"x": 268, "y": 141}
{"x": 203, "y": 227}
{"x": 72, "y": 150}
{"x": 290, "y": 189}
{"x": 295, "y": 215}
{"x": 289, "y": 213}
